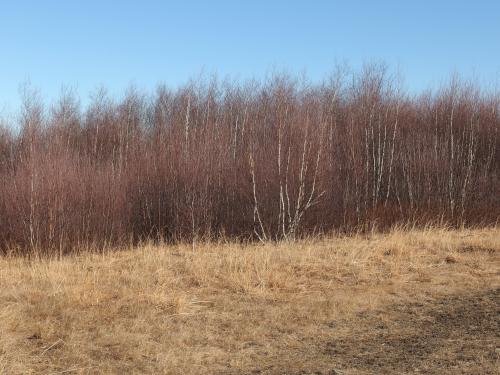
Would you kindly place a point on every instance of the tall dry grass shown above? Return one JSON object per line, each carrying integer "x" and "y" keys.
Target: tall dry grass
{"x": 235, "y": 308}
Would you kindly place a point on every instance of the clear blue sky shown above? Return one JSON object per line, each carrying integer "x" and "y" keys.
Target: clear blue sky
{"x": 89, "y": 43}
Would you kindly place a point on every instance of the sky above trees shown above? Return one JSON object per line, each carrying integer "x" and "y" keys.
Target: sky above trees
{"x": 88, "y": 44}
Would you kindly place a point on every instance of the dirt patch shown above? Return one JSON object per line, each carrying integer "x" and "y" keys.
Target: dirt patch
{"x": 476, "y": 249}
{"x": 457, "y": 334}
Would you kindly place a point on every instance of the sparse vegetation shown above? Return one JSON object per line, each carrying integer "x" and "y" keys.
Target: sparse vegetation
{"x": 276, "y": 160}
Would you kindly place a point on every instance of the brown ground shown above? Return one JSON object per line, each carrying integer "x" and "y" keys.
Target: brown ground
{"x": 455, "y": 334}
{"x": 418, "y": 302}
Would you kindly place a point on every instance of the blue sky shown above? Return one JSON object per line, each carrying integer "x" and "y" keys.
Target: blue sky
{"x": 87, "y": 44}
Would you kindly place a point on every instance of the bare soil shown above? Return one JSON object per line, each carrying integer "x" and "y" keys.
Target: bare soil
{"x": 456, "y": 334}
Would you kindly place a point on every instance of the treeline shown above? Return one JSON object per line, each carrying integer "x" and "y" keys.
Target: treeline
{"x": 257, "y": 160}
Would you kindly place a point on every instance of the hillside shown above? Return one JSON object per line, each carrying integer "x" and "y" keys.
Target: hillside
{"x": 417, "y": 301}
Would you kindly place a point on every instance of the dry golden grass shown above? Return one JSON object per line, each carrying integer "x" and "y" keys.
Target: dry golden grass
{"x": 227, "y": 308}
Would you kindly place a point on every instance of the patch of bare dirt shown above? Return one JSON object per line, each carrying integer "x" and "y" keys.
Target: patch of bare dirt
{"x": 476, "y": 249}
{"x": 457, "y": 334}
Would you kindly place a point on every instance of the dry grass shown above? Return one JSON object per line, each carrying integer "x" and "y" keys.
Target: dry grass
{"x": 235, "y": 309}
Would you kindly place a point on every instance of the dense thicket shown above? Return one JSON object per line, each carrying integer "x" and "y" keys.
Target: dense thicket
{"x": 262, "y": 160}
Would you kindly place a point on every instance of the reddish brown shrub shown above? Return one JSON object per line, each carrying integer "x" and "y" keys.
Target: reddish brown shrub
{"x": 272, "y": 160}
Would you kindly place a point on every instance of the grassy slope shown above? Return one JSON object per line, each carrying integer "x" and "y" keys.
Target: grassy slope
{"x": 365, "y": 304}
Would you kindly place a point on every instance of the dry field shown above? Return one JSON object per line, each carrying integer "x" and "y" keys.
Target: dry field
{"x": 407, "y": 302}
